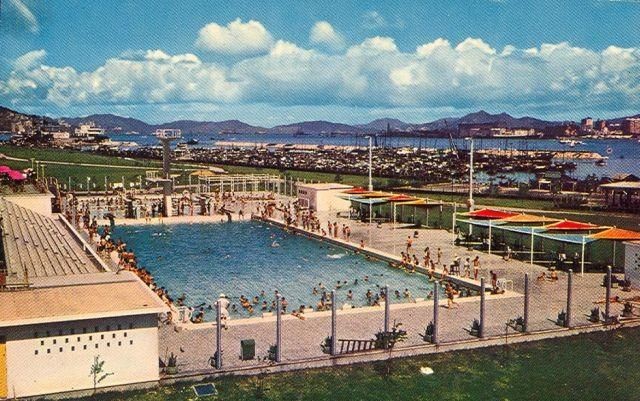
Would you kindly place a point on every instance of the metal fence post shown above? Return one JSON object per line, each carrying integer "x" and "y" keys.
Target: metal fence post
{"x": 436, "y": 305}
{"x": 482, "y": 306}
{"x": 569, "y": 298}
{"x": 334, "y": 328}
{"x": 525, "y": 326}
{"x": 218, "y": 336}
{"x": 386, "y": 308}
{"x": 278, "y": 328}
{"x": 607, "y": 303}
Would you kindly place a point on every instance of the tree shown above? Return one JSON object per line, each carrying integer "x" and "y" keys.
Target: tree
{"x": 97, "y": 372}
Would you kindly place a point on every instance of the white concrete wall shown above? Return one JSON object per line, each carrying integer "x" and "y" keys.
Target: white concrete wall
{"x": 328, "y": 201}
{"x": 307, "y": 197}
{"x": 40, "y": 203}
{"x": 131, "y": 354}
{"x": 632, "y": 263}
{"x": 322, "y": 200}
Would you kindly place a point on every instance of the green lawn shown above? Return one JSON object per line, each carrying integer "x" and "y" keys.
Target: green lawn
{"x": 71, "y": 156}
{"x": 79, "y": 174}
{"x": 599, "y": 366}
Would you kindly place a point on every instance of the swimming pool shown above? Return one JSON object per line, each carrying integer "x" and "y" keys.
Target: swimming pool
{"x": 245, "y": 258}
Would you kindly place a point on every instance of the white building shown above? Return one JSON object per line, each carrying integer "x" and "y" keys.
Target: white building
{"x": 327, "y": 197}
{"x": 632, "y": 262}
{"x": 61, "y": 307}
{"x": 89, "y": 130}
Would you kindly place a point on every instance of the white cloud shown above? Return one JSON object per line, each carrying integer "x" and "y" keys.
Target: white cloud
{"x": 323, "y": 33}
{"x": 374, "y": 73}
{"x": 428, "y": 49}
{"x": 236, "y": 38}
{"x": 373, "y": 20}
{"x": 376, "y": 44}
{"x": 29, "y": 60}
{"x": 27, "y": 16}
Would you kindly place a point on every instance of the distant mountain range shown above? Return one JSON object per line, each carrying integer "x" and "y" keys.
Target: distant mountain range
{"x": 113, "y": 122}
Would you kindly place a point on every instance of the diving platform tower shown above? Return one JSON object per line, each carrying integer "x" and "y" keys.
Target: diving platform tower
{"x": 166, "y": 136}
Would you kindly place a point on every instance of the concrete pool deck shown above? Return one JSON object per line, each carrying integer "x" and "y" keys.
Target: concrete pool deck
{"x": 195, "y": 344}
{"x": 301, "y": 338}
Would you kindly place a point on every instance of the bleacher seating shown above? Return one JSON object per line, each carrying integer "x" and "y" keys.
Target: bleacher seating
{"x": 38, "y": 246}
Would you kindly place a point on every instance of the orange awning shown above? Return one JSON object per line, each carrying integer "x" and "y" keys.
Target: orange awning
{"x": 377, "y": 195}
{"x": 617, "y": 234}
{"x": 355, "y": 191}
{"x": 402, "y": 198}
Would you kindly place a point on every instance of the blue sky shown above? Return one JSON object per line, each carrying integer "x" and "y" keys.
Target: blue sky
{"x": 275, "y": 62}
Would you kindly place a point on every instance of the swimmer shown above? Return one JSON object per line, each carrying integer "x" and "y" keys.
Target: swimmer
{"x": 350, "y": 295}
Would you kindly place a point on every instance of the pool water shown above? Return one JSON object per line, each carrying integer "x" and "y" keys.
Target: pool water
{"x": 245, "y": 258}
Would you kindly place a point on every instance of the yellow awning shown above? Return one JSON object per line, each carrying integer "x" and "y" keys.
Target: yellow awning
{"x": 528, "y": 218}
{"x": 203, "y": 173}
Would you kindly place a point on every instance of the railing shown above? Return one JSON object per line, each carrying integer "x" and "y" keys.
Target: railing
{"x": 351, "y": 346}
{"x": 86, "y": 247}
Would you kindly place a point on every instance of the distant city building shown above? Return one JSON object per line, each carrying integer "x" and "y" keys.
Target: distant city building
{"x": 491, "y": 131}
{"x": 586, "y": 124}
{"x": 631, "y": 126}
{"x": 57, "y": 131}
{"x": 601, "y": 125}
{"x": 89, "y": 130}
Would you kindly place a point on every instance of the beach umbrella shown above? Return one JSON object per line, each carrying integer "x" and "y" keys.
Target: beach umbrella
{"x": 16, "y": 175}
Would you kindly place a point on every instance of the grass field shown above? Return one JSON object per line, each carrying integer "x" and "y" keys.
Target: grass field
{"x": 598, "y": 366}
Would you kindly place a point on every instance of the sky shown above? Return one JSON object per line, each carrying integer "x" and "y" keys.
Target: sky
{"x": 351, "y": 61}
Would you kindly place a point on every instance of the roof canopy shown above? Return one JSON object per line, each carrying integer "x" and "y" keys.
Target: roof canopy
{"x": 375, "y": 194}
{"x": 569, "y": 225}
{"x": 402, "y": 198}
{"x": 356, "y": 191}
{"x": 490, "y": 214}
{"x": 528, "y": 218}
{"x": 203, "y": 173}
{"x": 370, "y": 201}
{"x": 617, "y": 234}
{"x": 420, "y": 203}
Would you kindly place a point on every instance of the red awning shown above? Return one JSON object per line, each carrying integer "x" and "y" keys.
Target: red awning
{"x": 490, "y": 214}
{"x": 570, "y": 225}
{"x": 356, "y": 191}
{"x": 617, "y": 234}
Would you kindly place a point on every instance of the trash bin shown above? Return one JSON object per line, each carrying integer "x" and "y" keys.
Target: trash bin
{"x": 247, "y": 349}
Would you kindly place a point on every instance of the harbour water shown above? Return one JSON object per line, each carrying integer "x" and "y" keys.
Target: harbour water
{"x": 623, "y": 154}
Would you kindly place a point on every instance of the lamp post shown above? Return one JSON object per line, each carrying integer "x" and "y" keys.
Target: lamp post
{"x": 370, "y": 183}
{"x": 370, "y": 162}
{"x": 470, "y": 200}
